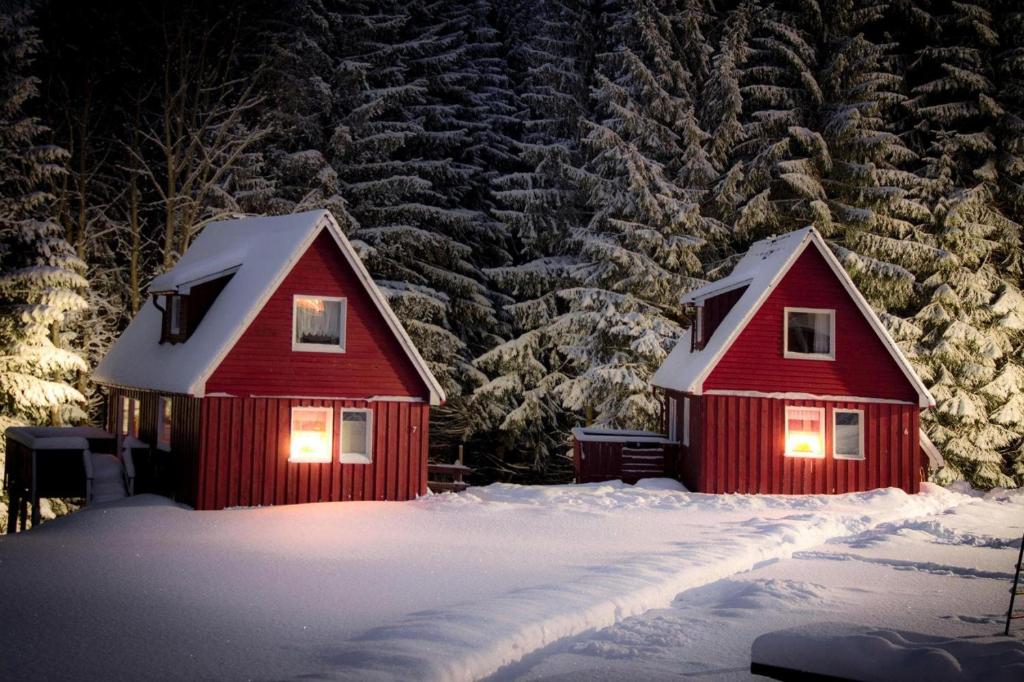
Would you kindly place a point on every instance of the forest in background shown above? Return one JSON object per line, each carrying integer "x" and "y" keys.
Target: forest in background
{"x": 533, "y": 183}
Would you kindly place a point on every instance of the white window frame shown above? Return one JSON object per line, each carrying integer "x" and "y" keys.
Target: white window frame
{"x": 298, "y": 409}
{"x": 129, "y": 414}
{"x": 821, "y": 421}
{"x": 160, "y": 443}
{"x": 686, "y": 421}
{"x": 321, "y": 347}
{"x": 356, "y": 457}
{"x": 860, "y": 425}
{"x": 672, "y": 430}
{"x": 792, "y": 355}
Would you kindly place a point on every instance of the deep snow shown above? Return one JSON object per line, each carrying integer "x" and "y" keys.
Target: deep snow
{"x": 445, "y": 587}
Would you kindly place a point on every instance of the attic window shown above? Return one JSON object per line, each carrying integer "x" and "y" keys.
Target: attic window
{"x": 175, "y": 327}
{"x": 809, "y": 333}
{"x": 318, "y": 324}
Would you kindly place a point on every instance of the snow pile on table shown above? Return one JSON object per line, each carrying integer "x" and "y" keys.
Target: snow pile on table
{"x": 446, "y": 587}
{"x": 863, "y": 653}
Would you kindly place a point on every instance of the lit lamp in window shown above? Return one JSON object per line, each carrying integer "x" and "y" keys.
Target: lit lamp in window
{"x": 804, "y": 433}
{"x": 311, "y": 434}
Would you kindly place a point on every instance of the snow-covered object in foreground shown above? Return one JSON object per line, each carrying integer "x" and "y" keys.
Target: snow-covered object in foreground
{"x": 790, "y": 383}
{"x": 858, "y": 652}
{"x": 268, "y": 368}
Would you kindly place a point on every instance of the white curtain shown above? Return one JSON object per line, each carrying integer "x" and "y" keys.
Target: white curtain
{"x": 822, "y": 333}
{"x": 317, "y": 321}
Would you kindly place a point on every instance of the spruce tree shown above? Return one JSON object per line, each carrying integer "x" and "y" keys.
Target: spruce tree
{"x": 971, "y": 319}
{"x": 41, "y": 277}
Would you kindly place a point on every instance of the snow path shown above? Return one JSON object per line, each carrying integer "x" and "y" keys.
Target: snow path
{"x": 449, "y": 587}
{"x": 946, "y": 575}
{"x": 482, "y": 637}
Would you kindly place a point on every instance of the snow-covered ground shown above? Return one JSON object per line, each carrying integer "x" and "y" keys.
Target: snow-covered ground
{"x": 512, "y": 581}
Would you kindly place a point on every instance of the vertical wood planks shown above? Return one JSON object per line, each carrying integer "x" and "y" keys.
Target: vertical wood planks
{"x": 743, "y": 443}
{"x": 244, "y": 449}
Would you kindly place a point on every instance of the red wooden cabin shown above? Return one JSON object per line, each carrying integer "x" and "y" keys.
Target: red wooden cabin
{"x": 268, "y": 368}
{"x": 789, "y": 382}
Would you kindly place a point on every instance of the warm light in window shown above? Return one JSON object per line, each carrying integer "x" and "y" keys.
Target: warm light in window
{"x": 311, "y": 434}
{"x": 804, "y": 443}
{"x": 805, "y": 432}
{"x": 313, "y": 305}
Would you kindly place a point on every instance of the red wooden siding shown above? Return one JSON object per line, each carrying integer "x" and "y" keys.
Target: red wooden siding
{"x": 263, "y": 363}
{"x": 246, "y": 442}
{"x": 743, "y": 439}
{"x": 689, "y": 457}
{"x": 862, "y": 368}
{"x": 177, "y": 468}
{"x": 716, "y": 308}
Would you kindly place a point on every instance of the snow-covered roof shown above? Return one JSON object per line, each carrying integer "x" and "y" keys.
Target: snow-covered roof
{"x": 760, "y": 270}
{"x": 260, "y": 252}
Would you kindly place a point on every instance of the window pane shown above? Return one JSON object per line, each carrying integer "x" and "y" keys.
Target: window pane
{"x": 136, "y": 416}
{"x": 804, "y": 433}
{"x": 126, "y": 415}
{"x": 809, "y": 333}
{"x": 353, "y": 433}
{"x": 175, "y": 311}
{"x": 847, "y": 434}
{"x": 311, "y": 434}
{"x": 318, "y": 321}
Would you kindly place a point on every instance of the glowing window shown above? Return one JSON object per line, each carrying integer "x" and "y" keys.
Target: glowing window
{"x": 129, "y": 416}
{"x": 312, "y": 434}
{"x": 318, "y": 324}
{"x": 356, "y": 436}
{"x": 848, "y": 434}
{"x": 805, "y": 431}
{"x": 809, "y": 333}
{"x": 163, "y": 423}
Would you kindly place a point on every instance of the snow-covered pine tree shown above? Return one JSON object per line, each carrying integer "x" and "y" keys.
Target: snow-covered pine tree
{"x": 972, "y": 320}
{"x": 404, "y": 149}
{"x": 41, "y": 278}
{"x": 877, "y": 214}
{"x": 772, "y": 179}
{"x": 305, "y": 91}
{"x": 639, "y": 249}
{"x": 518, "y": 407}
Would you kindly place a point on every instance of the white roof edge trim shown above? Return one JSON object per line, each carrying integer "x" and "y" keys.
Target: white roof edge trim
{"x": 925, "y": 398}
{"x": 437, "y": 394}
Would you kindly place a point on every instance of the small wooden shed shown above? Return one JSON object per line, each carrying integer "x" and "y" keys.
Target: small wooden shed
{"x": 608, "y": 454}
{"x": 789, "y": 382}
{"x": 268, "y": 368}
